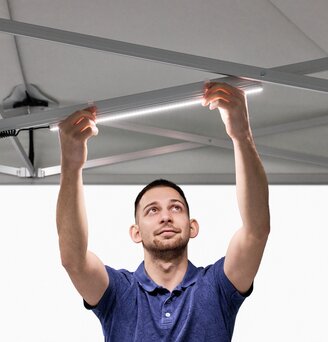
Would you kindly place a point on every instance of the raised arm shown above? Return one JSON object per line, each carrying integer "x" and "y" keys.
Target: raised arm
{"x": 85, "y": 269}
{"x": 246, "y": 248}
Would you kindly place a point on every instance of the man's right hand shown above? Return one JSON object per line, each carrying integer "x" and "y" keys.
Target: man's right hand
{"x": 74, "y": 133}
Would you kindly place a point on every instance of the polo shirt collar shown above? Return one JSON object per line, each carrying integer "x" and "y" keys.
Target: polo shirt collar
{"x": 149, "y": 285}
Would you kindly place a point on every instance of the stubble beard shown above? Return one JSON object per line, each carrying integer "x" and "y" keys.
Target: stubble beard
{"x": 166, "y": 250}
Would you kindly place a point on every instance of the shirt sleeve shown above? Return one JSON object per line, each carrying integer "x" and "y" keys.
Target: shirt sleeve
{"x": 231, "y": 295}
{"x": 119, "y": 282}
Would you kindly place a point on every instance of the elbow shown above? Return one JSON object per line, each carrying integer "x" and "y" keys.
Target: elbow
{"x": 72, "y": 257}
{"x": 266, "y": 231}
{"x": 66, "y": 262}
{"x": 260, "y": 231}
{"x": 71, "y": 264}
{"x": 264, "y": 226}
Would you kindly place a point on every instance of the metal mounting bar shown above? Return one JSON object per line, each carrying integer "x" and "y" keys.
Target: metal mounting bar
{"x": 22, "y": 172}
{"x": 152, "y": 152}
{"x": 166, "y": 56}
{"x": 9, "y": 170}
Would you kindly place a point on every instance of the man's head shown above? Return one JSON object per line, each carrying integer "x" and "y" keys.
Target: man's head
{"x": 162, "y": 220}
{"x": 155, "y": 184}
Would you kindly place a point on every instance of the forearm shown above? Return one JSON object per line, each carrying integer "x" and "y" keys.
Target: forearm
{"x": 252, "y": 188}
{"x": 72, "y": 223}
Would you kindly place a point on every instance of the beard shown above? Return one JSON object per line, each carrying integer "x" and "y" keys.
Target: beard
{"x": 167, "y": 249}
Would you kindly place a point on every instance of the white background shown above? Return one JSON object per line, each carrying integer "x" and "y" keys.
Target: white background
{"x": 39, "y": 304}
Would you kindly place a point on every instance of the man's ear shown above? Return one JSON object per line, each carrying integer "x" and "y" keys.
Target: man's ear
{"x": 135, "y": 233}
{"x": 194, "y": 228}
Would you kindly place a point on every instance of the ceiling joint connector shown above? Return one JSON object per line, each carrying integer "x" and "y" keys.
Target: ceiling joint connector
{"x": 40, "y": 173}
{"x": 23, "y": 172}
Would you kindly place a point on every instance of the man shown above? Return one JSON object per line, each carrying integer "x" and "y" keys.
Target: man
{"x": 167, "y": 298}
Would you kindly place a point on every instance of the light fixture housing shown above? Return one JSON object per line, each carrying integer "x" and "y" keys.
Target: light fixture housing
{"x": 125, "y": 107}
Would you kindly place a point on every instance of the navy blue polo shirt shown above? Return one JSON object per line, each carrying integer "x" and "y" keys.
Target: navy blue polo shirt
{"x": 202, "y": 308}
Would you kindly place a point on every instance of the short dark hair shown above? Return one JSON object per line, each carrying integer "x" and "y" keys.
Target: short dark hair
{"x": 156, "y": 184}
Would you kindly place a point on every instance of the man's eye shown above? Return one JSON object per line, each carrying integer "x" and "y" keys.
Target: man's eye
{"x": 176, "y": 208}
{"x": 152, "y": 210}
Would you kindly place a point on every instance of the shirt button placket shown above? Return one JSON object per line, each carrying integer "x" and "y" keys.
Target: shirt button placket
{"x": 167, "y": 311}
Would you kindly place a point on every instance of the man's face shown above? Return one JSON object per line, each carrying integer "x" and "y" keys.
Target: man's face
{"x": 162, "y": 222}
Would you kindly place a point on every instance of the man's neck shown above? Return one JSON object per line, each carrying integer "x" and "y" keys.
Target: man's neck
{"x": 166, "y": 273}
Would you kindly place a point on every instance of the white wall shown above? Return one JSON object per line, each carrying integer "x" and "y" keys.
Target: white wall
{"x": 39, "y": 304}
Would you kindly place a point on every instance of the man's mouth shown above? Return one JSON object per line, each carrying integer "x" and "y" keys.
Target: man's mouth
{"x": 167, "y": 231}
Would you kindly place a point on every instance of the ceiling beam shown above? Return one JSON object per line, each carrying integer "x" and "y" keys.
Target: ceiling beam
{"x": 291, "y": 126}
{"x": 223, "y": 143}
{"x": 304, "y": 68}
{"x": 124, "y": 157}
{"x": 200, "y": 63}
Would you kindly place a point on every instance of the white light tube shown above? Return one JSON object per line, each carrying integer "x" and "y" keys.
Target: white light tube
{"x": 104, "y": 116}
{"x": 254, "y": 90}
{"x": 145, "y": 111}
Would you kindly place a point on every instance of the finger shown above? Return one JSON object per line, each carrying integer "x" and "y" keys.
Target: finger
{"x": 93, "y": 127}
{"x": 208, "y": 98}
{"x": 211, "y": 85}
{"x": 207, "y": 85}
{"x": 229, "y": 106}
{"x": 227, "y": 88}
{"x": 89, "y": 112}
{"x": 214, "y": 105}
{"x": 88, "y": 132}
{"x": 83, "y": 124}
{"x": 84, "y": 129}
{"x": 219, "y": 104}
{"x": 75, "y": 118}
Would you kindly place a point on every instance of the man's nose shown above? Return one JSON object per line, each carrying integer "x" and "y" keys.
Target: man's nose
{"x": 166, "y": 217}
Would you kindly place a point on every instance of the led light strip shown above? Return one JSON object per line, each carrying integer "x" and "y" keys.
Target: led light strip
{"x": 128, "y": 106}
{"x": 105, "y": 116}
{"x": 145, "y": 111}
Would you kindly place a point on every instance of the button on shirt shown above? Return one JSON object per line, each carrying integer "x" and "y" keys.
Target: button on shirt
{"x": 202, "y": 308}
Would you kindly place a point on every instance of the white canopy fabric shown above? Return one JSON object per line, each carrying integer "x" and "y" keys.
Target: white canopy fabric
{"x": 74, "y": 52}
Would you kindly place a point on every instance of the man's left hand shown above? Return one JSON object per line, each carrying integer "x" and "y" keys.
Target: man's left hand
{"x": 232, "y": 104}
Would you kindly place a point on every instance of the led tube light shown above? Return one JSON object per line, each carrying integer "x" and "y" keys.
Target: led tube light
{"x": 102, "y": 117}
{"x": 129, "y": 106}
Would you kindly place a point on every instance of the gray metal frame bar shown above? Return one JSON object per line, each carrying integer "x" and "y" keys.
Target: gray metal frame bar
{"x": 152, "y": 152}
{"x": 9, "y": 170}
{"x": 305, "y": 68}
{"x": 222, "y": 143}
{"x": 165, "y": 56}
